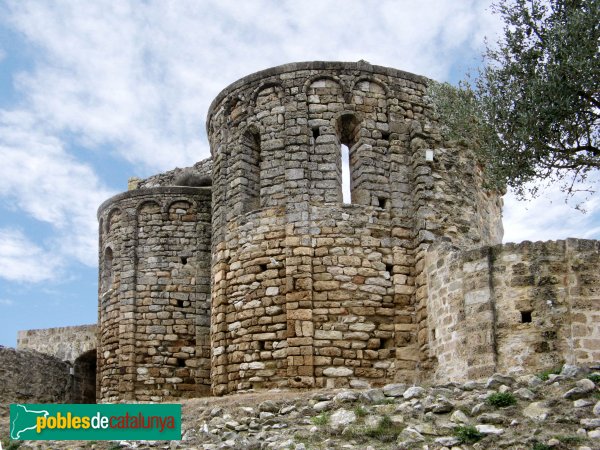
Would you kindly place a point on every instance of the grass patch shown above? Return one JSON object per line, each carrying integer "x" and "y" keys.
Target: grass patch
{"x": 8, "y": 444}
{"x": 360, "y": 411}
{"x": 540, "y": 446}
{"x": 594, "y": 377}
{"x": 310, "y": 440}
{"x": 571, "y": 440}
{"x": 385, "y": 431}
{"x": 321, "y": 419}
{"x": 467, "y": 434}
{"x": 501, "y": 399}
{"x": 544, "y": 375}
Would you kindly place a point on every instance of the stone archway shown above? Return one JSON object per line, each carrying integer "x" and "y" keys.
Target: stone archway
{"x": 84, "y": 378}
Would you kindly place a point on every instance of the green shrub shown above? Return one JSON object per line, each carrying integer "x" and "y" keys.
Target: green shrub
{"x": 594, "y": 377}
{"x": 540, "y": 446}
{"x": 321, "y": 419}
{"x": 501, "y": 399}
{"x": 360, "y": 411}
{"x": 467, "y": 434}
{"x": 571, "y": 440}
{"x": 385, "y": 431}
{"x": 546, "y": 373}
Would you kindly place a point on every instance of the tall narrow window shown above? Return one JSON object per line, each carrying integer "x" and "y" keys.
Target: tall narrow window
{"x": 348, "y": 129}
{"x": 249, "y": 165}
{"x": 346, "y": 195}
{"x": 107, "y": 275}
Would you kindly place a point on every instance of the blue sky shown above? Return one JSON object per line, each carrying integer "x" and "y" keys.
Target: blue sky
{"x": 92, "y": 93}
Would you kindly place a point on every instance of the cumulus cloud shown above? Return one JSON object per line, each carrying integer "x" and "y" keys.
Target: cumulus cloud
{"x": 140, "y": 76}
{"x": 42, "y": 181}
{"x": 22, "y": 260}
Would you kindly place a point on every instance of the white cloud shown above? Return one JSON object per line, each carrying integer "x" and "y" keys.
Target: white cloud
{"x": 549, "y": 217}
{"x": 41, "y": 180}
{"x": 22, "y": 260}
{"x": 6, "y": 302}
{"x": 140, "y": 76}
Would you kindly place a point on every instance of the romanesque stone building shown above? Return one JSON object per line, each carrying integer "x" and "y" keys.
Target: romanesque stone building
{"x": 249, "y": 271}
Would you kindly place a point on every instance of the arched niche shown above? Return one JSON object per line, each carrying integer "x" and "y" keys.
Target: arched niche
{"x": 248, "y": 166}
{"x": 107, "y": 279}
{"x": 181, "y": 210}
{"x": 268, "y": 96}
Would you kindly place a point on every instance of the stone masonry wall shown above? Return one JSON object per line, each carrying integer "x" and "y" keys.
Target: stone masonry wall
{"x": 64, "y": 343}
{"x": 27, "y": 376}
{"x": 201, "y": 168}
{"x": 355, "y": 298}
{"x": 513, "y": 308}
{"x": 154, "y": 294}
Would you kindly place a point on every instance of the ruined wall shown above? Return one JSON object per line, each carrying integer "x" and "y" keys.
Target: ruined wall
{"x": 201, "y": 168}
{"x": 513, "y": 308}
{"x": 342, "y": 282}
{"x": 64, "y": 343}
{"x": 154, "y": 294}
{"x": 27, "y": 376}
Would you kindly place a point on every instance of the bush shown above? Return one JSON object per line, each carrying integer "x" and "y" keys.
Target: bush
{"x": 501, "y": 399}
{"x": 467, "y": 434}
{"x": 571, "y": 440}
{"x": 385, "y": 431}
{"x": 594, "y": 377}
{"x": 321, "y": 419}
{"x": 546, "y": 373}
{"x": 360, "y": 411}
{"x": 540, "y": 446}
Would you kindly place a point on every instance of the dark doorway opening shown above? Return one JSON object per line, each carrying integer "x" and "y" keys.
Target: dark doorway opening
{"x": 84, "y": 378}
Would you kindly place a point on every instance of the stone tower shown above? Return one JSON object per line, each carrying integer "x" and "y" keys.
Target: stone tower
{"x": 309, "y": 291}
{"x": 154, "y": 294}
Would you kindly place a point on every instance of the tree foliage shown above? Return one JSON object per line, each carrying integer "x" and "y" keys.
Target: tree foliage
{"x": 533, "y": 111}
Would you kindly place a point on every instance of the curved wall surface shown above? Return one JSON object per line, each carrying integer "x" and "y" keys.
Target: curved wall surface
{"x": 154, "y": 294}
{"x": 309, "y": 290}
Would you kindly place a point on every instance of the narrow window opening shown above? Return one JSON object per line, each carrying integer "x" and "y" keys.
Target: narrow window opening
{"x": 346, "y": 195}
{"x": 180, "y": 303}
{"x": 389, "y": 268}
{"x": 260, "y": 345}
{"x": 385, "y": 135}
{"x": 433, "y": 334}
{"x": 525, "y": 316}
{"x": 180, "y": 362}
{"x": 107, "y": 279}
{"x": 263, "y": 267}
{"x": 381, "y": 202}
{"x": 250, "y": 164}
{"x": 316, "y": 132}
{"x": 184, "y": 260}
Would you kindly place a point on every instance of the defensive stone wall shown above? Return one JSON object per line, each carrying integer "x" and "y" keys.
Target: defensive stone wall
{"x": 27, "y": 376}
{"x": 513, "y": 308}
{"x": 154, "y": 291}
{"x": 309, "y": 291}
{"x": 64, "y": 343}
